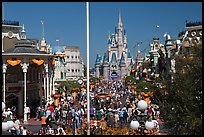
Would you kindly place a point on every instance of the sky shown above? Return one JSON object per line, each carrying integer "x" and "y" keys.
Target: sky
{"x": 66, "y": 22}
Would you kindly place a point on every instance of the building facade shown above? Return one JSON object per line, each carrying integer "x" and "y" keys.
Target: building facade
{"x": 117, "y": 62}
{"x": 27, "y": 71}
{"x": 69, "y": 64}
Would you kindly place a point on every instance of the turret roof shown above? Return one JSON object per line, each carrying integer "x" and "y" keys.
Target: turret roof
{"x": 113, "y": 58}
{"x": 122, "y": 59}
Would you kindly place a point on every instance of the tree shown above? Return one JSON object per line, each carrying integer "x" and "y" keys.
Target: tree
{"x": 181, "y": 108}
{"x": 145, "y": 86}
{"x": 130, "y": 79}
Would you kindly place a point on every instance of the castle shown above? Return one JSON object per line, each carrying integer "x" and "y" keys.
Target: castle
{"x": 117, "y": 62}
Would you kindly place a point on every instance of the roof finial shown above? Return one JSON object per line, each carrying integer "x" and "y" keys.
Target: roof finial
{"x": 23, "y": 28}
{"x": 42, "y": 22}
{"x": 23, "y": 33}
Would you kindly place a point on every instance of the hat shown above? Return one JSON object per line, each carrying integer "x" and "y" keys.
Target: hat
{"x": 8, "y": 109}
{"x": 124, "y": 108}
{"x": 109, "y": 109}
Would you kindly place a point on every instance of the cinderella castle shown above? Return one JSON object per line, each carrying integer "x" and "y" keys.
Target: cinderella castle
{"x": 117, "y": 62}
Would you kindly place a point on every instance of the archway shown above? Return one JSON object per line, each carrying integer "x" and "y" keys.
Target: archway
{"x": 12, "y": 102}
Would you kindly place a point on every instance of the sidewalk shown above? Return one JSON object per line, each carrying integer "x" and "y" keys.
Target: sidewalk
{"x": 162, "y": 131}
{"x": 32, "y": 125}
{"x": 31, "y": 121}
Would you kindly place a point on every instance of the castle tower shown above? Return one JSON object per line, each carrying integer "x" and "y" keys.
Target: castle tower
{"x": 120, "y": 37}
{"x": 105, "y": 67}
{"x": 122, "y": 66}
{"x": 97, "y": 65}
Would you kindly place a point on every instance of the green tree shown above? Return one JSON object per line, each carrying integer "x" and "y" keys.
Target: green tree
{"x": 181, "y": 108}
{"x": 143, "y": 84}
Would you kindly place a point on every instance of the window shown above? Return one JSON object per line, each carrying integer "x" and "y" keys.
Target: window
{"x": 76, "y": 57}
{"x": 61, "y": 75}
{"x": 68, "y": 57}
{"x": 72, "y": 70}
{"x": 72, "y": 57}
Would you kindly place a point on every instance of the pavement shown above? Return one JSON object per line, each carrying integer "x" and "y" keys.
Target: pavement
{"x": 32, "y": 125}
{"x": 163, "y": 130}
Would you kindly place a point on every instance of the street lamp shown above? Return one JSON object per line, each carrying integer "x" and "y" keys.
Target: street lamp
{"x": 141, "y": 119}
{"x": 7, "y": 122}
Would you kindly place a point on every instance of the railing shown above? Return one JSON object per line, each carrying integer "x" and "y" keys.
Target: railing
{"x": 8, "y": 22}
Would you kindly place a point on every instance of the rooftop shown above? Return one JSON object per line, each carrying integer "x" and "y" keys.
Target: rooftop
{"x": 9, "y": 22}
{"x": 190, "y": 24}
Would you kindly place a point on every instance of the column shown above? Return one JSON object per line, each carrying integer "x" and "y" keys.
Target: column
{"x": 47, "y": 82}
{"x": 25, "y": 68}
{"x": 4, "y": 82}
{"x": 53, "y": 83}
{"x": 50, "y": 85}
{"x": 40, "y": 86}
{"x": 44, "y": 85}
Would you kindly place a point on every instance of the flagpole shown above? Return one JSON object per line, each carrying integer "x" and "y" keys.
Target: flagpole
{"x": 87, "y": 45}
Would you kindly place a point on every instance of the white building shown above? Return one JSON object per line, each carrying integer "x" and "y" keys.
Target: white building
{"x": 69, "y": 64}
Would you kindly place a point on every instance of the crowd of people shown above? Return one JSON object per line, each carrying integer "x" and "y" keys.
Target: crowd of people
{"x": 115, "y": 105}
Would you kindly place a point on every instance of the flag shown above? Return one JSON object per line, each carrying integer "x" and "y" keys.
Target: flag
{"x": 157, "y": 26}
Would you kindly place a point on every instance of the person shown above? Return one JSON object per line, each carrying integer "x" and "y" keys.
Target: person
{"x": 43, "y": 120}
{"x": 40, "y": 132}
{"x": 56, "y": 132}
{"x": 23, "y": 130}
{"x": 17, "y": 124}
{"x": 121, "y": 117}
{"x": 38, "y": 113}
{"x": 49, "y": 120}
{"x": 9, "y": 113}
{"x": 52, "y": 109}
{"x": 60, "y": 130}
{"x": 27, "y": 110}
{"x": 69, "y": 117}
{"x": 47, "y": 112}
{"x": 42, "y": 113}
{"x": 125, "y": 116}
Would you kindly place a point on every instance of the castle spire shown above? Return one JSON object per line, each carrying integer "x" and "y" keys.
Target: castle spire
{"x": 120, "y": 20}
{"x": 120, "y": 31}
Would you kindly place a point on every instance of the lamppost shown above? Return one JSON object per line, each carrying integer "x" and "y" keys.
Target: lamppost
{"x": 141, "y": 119}
{"x": 7, "y": 122}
